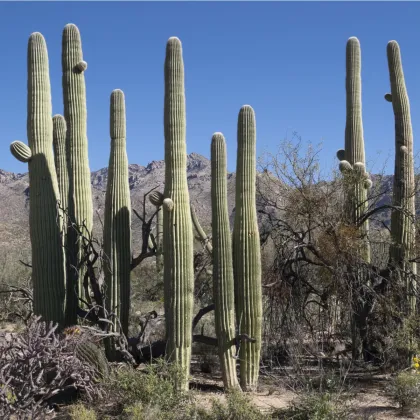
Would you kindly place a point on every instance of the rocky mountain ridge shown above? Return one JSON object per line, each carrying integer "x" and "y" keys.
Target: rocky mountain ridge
{"x": 14, "y": 199}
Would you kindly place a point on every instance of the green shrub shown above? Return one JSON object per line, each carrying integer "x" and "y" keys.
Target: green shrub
{"x": 80, "y": 412}
{"x": 316, "y": 406}
{"x": 151, "y": 393}
{"x": 405, "y": 389}
{"x": 238, "y": 406}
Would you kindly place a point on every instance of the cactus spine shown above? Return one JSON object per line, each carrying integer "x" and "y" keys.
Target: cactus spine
{"x": 80, "y": 207}
{"x": 48, "y": 261}
{"x": 402, "y": 222}
{"x": 117, "y": 220}
{"x": 223, "y": 283}
{"x": 246, "y": 252}
{"x": 177, "y": 226}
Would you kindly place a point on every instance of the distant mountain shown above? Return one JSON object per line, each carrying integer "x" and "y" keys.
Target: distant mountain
{"x": 14, "y": 200}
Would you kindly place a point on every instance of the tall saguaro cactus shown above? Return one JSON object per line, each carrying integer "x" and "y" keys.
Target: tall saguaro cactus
{"x": 352, "y": 158}
{"x": 177, "y": 226}
{"x": 223, "y": 283}
{"x": 117, "y": 220}
{"x": 48, "y": 261}
{"x": 357, "y": 182}
{"x": 80, "y": 206}
{"x": 402, "y": 222}
{"x": 246, "y": 252}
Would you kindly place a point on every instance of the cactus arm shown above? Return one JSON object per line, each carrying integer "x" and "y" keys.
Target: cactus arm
{"x": 21, "y": 151}
{"x": 200, "y": 231}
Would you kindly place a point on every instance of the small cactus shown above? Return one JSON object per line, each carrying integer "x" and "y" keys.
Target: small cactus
{"x": 93, "y": 355}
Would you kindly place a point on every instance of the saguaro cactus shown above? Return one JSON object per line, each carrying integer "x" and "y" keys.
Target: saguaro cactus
{"x": 246, "y": 252}
{"x": 402, "y": 222}
{"x": 356, "y": 185}
{"x": 80, "y": 206}
{"x": 117, "y": 220}
{"x": 48, "y": 262}
{"x": 352, "y": 158}
{"x": 177, "y": 226}
{"x": 223, "y": 283}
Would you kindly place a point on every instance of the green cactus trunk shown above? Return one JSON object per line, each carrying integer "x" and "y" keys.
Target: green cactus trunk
{"x": 177, "y": 226}
{"x": 60, "y": 159}
{"x": 356, "y": 184}
{"x": 354, "y": 152}
{"x": 247, "y": 253}
{"x": 117, "y": 220}
{"x": 80, "y": 193}
{"x": 223, "y": 283}
{"x": 402, "y": 222}
{"x": 48, "y": 260}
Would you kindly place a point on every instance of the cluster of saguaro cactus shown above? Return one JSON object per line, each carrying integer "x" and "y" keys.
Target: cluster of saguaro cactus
{"x": 60, "y": 189}
{"x": 61, "y": 181}
{"x": 117, "y": 220}
{"x": 402, "y": 218}
{"x": 48, "y": 259}
{"x": 177, "y": 227}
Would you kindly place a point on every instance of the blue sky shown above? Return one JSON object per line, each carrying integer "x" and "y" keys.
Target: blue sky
{"x": 286, "y": 59}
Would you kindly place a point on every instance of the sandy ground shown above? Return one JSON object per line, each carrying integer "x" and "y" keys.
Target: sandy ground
{"x": 367, "y": 400}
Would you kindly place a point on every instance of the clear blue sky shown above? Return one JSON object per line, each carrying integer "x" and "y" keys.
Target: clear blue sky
{"x": 287, "y": 60}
